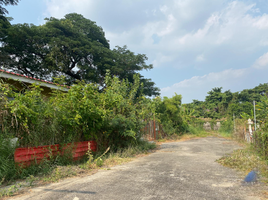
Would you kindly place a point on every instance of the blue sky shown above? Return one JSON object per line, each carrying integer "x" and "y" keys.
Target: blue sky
{"x": 194, "y": 45}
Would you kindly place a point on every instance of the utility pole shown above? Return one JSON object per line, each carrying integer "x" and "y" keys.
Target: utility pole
{"x": 254, "y": 116}
{"x": 154, "y": 128}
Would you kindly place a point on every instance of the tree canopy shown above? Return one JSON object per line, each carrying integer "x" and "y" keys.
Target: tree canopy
{"x": 3, "y": 11}
{"x": 73, "y": 46}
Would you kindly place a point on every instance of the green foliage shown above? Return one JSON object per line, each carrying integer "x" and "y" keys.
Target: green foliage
{"x": 196, "y": 130}
{"x": 114, "y": 115}
{"x": 220, "y": 104}
{"x": 73, "y": 46}
{"x": 227, "y": 126}
{"x": 4, "y": 11}
{"x": 34, "y": 119}
{"x": 7, "y": 164}
{"x": 261, "y": 143}
{"x": 170, "y": 114}
{"x": 261, "y": 135}
{"x": 124, "y": 112}
{"x": 262, "y": 113}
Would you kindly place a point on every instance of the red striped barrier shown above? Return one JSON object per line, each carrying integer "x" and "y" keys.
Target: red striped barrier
{"x": 34, "y": 155}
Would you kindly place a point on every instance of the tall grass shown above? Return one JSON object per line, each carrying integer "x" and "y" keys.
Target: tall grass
{"x": 7, "y": 165}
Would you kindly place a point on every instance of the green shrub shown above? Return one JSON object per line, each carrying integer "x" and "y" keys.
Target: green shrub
{"x": 170, "y": 114}
{"x": 227, "y": 126}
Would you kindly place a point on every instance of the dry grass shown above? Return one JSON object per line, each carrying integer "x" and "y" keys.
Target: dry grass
{"x": 246, "y": 160}
{"x": 185, "y": 137}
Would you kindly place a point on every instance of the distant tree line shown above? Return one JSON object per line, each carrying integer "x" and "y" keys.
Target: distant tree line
{"x": 219, "y": 104}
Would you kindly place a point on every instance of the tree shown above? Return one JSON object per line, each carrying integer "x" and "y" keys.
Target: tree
{"x": 26, "y": 48}
{"x": 4, "y": 21}
{"x": 74, "y": 47}
{"x": 169, "y": 112}
{"x": 4, "y": 11}
{"x": 126, "y": 64}
{"x": 213, "y": 101}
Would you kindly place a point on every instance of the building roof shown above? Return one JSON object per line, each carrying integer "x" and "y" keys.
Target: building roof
{"x": 27, "y": 79}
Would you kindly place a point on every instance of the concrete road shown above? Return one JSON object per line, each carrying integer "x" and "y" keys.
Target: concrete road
{"x": 180, "y": 170}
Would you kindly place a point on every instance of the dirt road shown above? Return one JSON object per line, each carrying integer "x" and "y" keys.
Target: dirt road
{"x": 179, "y": 170}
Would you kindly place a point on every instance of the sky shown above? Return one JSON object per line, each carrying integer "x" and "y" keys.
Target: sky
{"x": 194, "y": 45}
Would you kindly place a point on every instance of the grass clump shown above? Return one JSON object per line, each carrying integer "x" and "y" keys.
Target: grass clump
{"x": 197, "y": 131}
{"x": 246, "y": 160}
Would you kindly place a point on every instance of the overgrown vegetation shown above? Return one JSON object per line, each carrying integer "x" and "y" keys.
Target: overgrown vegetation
{"x": 113, "y": 117}
{"x": 170, "y": 114}
{"x": 255, "y": 155}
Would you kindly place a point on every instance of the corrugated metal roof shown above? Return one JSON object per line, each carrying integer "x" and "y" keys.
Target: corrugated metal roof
{"x": 20, "y": 75}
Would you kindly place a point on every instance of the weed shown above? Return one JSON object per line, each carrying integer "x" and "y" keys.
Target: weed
{"x": 246, "y": 160}
{"x": 225, "y": 134}
{"x": 99, "y": 162}
{"x": 10, "y": 190}
{"x": 30, "y": 179}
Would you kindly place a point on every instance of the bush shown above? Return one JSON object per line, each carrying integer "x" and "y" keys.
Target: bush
{"x": 227, "y": 126}
{"x": 111, "y": 117}
{"x": 170, "y": 114}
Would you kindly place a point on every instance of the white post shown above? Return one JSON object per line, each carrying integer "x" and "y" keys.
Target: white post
{"x": 250, "y": 130}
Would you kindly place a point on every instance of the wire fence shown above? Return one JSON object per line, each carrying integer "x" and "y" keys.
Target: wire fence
{"x": 153, "y": 130}
{"x": 245, "y": 130}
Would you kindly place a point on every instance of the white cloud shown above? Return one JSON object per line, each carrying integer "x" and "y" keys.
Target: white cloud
{"x": 59, "y": 8}
{"x": 200, "y": 58}
{"x": 216, "y": 38}
{"x": 262, "y": 22}
{"x": 261, "y": 62}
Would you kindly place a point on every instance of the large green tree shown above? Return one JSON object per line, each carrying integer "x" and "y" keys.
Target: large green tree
{"x": 74, "y": 47}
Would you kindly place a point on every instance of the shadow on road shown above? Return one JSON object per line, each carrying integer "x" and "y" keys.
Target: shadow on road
{"x": 69, "y": 191}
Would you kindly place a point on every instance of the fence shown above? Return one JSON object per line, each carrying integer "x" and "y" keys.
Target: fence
{"x": 244, "y": 130}
{"x": 153, "y": 131}
{"x": 35, "y": 155}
